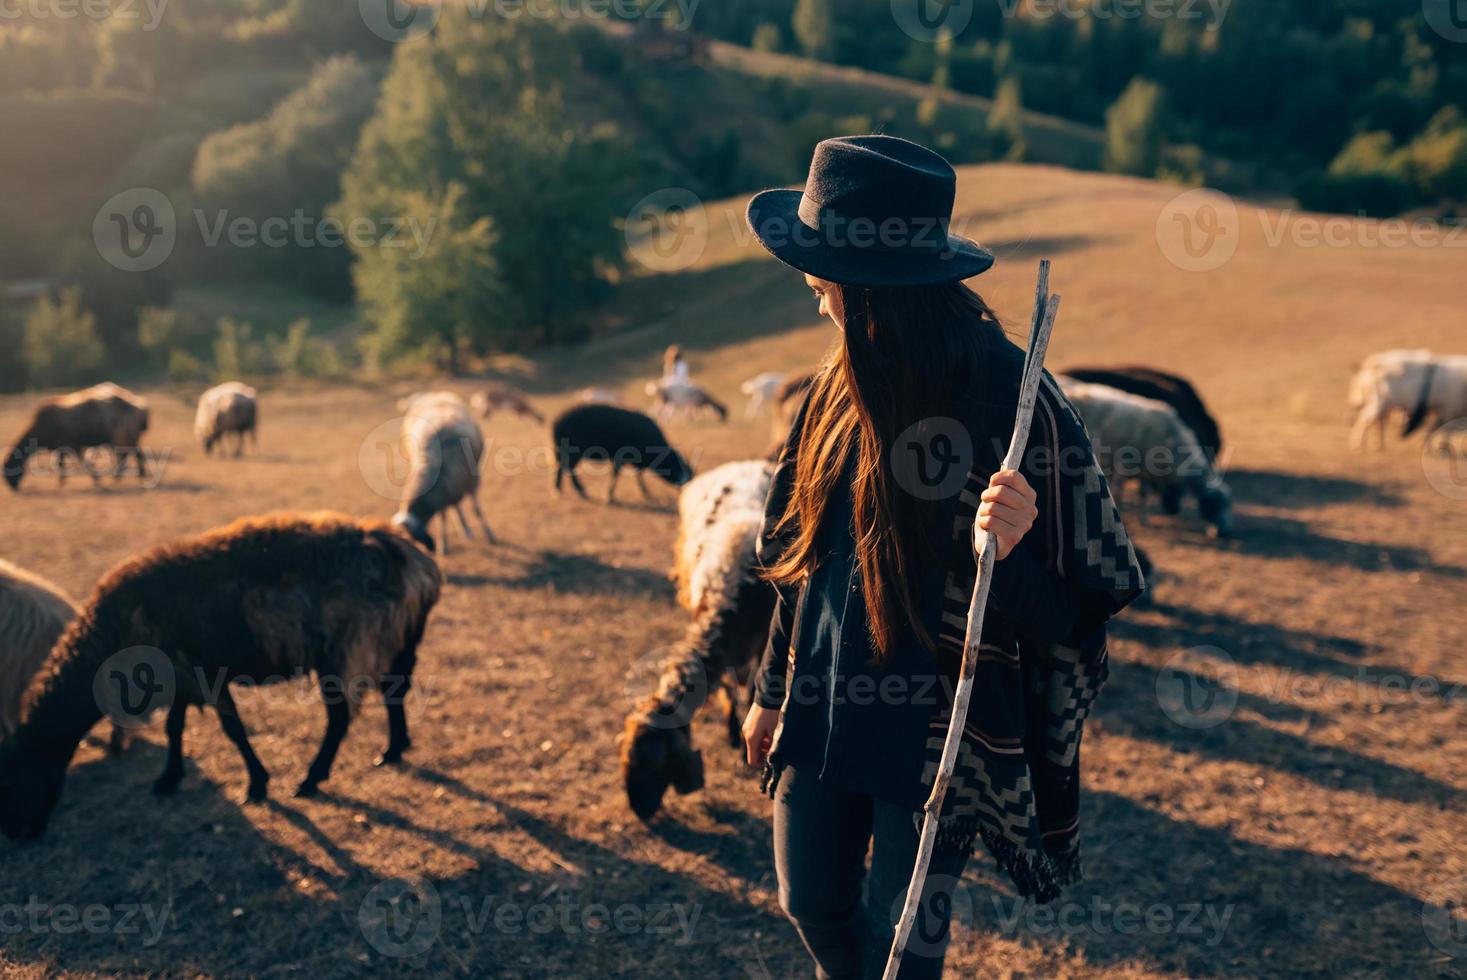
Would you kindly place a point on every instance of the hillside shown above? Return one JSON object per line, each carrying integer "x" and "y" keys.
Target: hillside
{"x": 1297, "y": 838}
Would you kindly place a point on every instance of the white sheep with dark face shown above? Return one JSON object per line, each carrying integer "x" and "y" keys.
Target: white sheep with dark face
{"x": 1145, "y": 440}
{"x": 1421, "y": 385}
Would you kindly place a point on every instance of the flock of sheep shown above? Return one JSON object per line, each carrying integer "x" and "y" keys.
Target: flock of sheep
{"x": 348, "y": 600}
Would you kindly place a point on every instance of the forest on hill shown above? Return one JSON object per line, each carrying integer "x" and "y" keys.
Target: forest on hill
{"x": 337, "y": 202}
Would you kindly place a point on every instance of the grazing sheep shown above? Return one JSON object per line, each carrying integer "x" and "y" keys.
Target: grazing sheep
{"x": 502, "y": 399}
{"x": 599, "y": 396}
{"x": 618, "y": 436}
{"x": 33, "y": 612}
{"x": 103, "y": 416}
{"x": 260, "y": 600}
{"x": 670, "y": 396}
{"x": 1418, "y": 383}
{"x": 33, "y": 615}
{"x": 444, "y": 449}
{"x": 761, "y": 389}
{"x": 1144, "y": 438}
{"x": 232, "y": 407}
{"x": 1167, "y": 388}
{"x": 719, "y": 518}
{"x": 787, "y": 401}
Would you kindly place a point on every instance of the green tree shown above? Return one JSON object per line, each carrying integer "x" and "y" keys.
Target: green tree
{"x": 814, "y": 24}
{"x": 289, "y": 162}
{"x": 1133, "y": 129}
{"x": 471, "y": 137}
{"x": 61, "y": 346}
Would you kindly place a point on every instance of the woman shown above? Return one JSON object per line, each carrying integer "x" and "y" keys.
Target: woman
{"x": 868, "y": 540}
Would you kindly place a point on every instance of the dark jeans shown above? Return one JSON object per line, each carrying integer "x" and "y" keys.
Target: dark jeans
{"x": 821, "y": 834}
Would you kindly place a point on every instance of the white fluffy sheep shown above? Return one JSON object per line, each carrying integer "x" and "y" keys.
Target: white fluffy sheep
{"x": 1418, "y": 383}
{"x": 33, "y": 613}
{"x": 761, "y": 389}
{"x": 1144, "y": 439}
{"x": 444, "y": 449}
{"x": 719, "y": 515}
{"x": 229, "y": 408}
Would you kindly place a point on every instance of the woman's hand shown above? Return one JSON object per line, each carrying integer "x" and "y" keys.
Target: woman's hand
{"x": 1007, "y": 511}
{"x": 759, "y": 733}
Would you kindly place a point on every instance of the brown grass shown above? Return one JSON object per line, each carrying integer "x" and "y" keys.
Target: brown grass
{"x": 1319, "y": 817}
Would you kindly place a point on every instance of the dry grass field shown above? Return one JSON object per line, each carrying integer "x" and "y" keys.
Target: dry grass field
{"x": 1311, "y": 831}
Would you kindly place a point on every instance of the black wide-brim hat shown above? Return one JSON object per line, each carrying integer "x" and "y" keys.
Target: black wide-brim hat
{"x": 875, "y": 211}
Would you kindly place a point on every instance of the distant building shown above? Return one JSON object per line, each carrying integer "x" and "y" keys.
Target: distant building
{"x": 26, "y": 290}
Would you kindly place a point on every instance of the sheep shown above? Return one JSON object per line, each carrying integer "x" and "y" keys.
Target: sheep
{"x": 104, "y": 415}
{"x": 33, "y": 615}
{"x": 1170, "y": 389}
{"x": 1419, "y": 383}
{"x": 719, "y": 518}
{"x": 598, "y": 396}
{"x": 619, "y": 436}
{"x": 444, "y": 449}
{"x": 502, "y": 399}
{"x": 787, "y": 401}
{"x": 231, "y": 407}
{"x": 33, "y": 612}
{"x": 1164, "y": 452}
{"x": 257, "y": 601}
{"x": 669, "y": 396}
{"x": 761, "y": 389}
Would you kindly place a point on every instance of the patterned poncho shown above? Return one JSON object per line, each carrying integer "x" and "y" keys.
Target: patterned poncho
{"x": 1016, "y": 782}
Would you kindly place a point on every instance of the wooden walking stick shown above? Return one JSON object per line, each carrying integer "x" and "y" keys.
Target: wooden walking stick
{"x": 985, "y": 547}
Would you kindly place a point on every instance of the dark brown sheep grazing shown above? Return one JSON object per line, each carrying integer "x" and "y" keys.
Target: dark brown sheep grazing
{"x": 719, "y": 517}
{"x": 260, "y": 600}
{"x": 103, "y": 416}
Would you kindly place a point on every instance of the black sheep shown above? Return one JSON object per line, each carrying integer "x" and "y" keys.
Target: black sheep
{"x": 1168, "y": 388}
{"x": 618, "y": 436}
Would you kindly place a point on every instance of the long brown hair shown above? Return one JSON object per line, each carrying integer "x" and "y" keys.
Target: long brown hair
{"x": 904, "y": 355}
